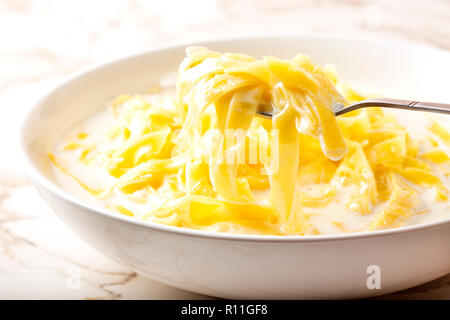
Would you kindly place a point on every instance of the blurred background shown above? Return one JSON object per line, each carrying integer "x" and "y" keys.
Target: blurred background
{"x": 43, "y": 41}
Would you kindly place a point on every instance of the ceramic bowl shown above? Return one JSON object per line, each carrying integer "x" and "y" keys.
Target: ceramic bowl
{"x": 249, "y": 266}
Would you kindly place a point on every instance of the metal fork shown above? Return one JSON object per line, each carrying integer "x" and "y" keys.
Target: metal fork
{"x": 381, "y": 102}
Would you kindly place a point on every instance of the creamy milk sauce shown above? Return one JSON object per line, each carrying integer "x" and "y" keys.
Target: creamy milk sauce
{"x": 334, "y": 218}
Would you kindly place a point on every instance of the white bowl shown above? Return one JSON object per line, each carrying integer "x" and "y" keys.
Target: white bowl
{"x": 249, "y": 266}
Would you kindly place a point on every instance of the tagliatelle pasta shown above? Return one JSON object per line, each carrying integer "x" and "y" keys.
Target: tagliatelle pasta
{"x": 202, "y": 159}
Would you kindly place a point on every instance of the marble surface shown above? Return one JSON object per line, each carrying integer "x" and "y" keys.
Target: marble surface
{"x": 42, "y": 41}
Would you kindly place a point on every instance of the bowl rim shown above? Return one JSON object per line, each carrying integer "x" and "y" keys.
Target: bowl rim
{"x": 39, "y": 179}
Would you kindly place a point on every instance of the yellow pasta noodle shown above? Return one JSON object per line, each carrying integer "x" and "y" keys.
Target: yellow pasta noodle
{"x": 202, "y": 159}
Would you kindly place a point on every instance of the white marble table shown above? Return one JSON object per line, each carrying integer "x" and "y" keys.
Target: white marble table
{"x": 43, "y": 40}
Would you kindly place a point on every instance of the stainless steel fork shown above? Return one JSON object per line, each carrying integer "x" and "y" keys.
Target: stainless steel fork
{"x": 381, "y": 102}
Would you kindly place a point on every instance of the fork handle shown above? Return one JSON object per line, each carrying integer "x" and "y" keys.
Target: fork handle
{"x": 398, "y": 104}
